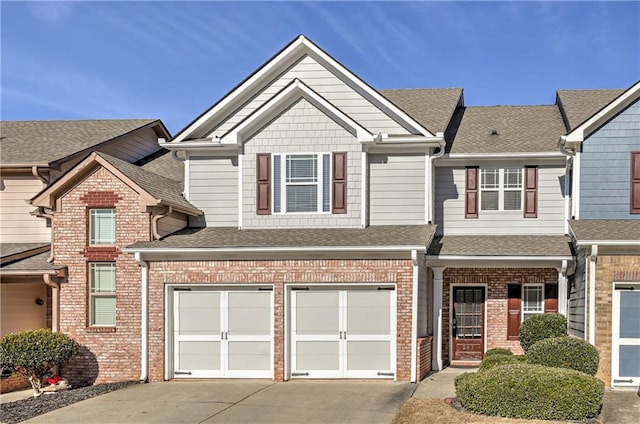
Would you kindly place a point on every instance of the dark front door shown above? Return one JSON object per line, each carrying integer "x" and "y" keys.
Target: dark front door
{"x": 468, "y": 323}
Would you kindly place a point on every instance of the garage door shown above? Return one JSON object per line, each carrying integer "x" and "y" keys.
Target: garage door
{"x": 222, "y": 333}
{"x": 343, "y": 333}
{"x": 626, "y": 335}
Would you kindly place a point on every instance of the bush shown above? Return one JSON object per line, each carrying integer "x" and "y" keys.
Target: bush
{"x": 543, "y": 326}
{"x": 498, "y": 351}
{"x": 494, "y": 360}
{"x": 532, "y": 392}
{"x": 34, "y": 353}
{"x": 565, "y": 352}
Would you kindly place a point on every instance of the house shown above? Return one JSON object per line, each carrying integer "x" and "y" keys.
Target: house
{"x": 321, "y": 229}
{"x": 603, "y": 147}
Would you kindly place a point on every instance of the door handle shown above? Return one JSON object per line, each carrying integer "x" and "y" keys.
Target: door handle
{"x": 222, "y": 335}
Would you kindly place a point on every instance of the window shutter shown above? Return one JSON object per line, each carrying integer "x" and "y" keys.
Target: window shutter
{"x": 531, "y": 192}
{"x": 635, "y": 182}
{"x": 263, "y": 189}
{"x": 471, "y": 193}
{"x": 514, "y": 294}
{"x": 339, "y": 182}
{"x": 550, "y": 298}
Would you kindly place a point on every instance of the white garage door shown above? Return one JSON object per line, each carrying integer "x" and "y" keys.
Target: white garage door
{"x": 222, "y": 334}
{"x": 343, "y": 333}
{"x": 625, "y": 353}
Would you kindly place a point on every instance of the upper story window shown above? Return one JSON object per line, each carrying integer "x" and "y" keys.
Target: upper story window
{"x": 301, "y": 183}
{"x": 102, "y": 226}
{"x": 102, "y": 303}
{"x": 501, "y": 189}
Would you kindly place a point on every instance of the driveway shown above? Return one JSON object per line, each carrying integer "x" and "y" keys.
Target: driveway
{"x": 240, "y": 401}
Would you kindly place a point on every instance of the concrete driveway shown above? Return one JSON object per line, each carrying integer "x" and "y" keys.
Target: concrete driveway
{"x": 240, "y": 401}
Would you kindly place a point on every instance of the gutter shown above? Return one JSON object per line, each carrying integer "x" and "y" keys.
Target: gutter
{"x": 272, "y": 249}
{"x": 612, "y": 243}
{"x": 144, "y": 318}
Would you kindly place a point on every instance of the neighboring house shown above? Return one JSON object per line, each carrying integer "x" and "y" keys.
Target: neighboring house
{"x": 603, "y": 146}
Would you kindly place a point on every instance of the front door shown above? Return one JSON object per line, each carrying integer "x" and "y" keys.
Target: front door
{"x": 626, "y": 335}
{"x": 467, "y": 325}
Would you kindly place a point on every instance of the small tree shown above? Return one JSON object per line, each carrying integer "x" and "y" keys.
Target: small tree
{"x": 34, "y": 353}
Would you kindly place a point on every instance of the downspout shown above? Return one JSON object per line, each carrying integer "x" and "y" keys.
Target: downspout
{"x": 55, "y": 301}
{"x": 185, "y": 191}
{"x": 592, "y": 294}
{"x": 144, "y": 318}
{"x": 414, "y": 318}
{"x": 562, "y": 289}
{"x": 154, "y": 222}
{"x": 34, "y": 171}
{"x": 432, "y": 197}
{"x": 40, "y": 213}
{"x": 567, "y": 182}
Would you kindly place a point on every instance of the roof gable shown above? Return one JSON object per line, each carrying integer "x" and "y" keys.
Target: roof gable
{"x": 577, "y": 106}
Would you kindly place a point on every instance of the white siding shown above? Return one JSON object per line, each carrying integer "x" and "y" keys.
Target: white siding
{"x": 16, "y": 223}
{"x": 19, "y": 310}
{"x": 396, "y": 189}
{"x": 450, "y": 206}
{"x": 171, "y": 224}
{"x": 327, "y": 85}
{"x": 302, "y": 129}
{"x": 213, "y": 188}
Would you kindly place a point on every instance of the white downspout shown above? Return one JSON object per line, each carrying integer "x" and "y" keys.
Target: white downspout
{"x": 414, "y": 318}
{"x": 567, "y": 182}
{"x": 364, "y": 187}
{"x": 592, "y": 294}
{"x": 185, "y": 160}
{"x": 562, "y": 289}
{"x": 144, "y": 317}
{"x": 431, "y": 210}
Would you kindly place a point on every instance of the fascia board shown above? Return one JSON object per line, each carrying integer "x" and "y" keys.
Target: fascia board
{"x": 621, "y": 243}
{"x": 498, "y": 258}
{"x": 187, "y": 250}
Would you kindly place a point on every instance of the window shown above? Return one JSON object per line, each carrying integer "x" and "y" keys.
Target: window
{"x": 532, "y": 300}
{"x": 302, "y": 183}
{"x": 501, "y": 189}
{"x": 102, "y": 302}
{"x": 102, "y": 226}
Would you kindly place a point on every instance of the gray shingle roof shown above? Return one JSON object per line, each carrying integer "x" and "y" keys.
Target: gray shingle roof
{"x": 11, "y": 249}
{"x": 606, "y": 230}
{"x": 154, "y": 184}
{"x": 231, "y": 237}
{"x": 33, "y": 264}
{"x": 524, "y": 245}
{"x": 431, "y": 107}
{"x": 163, "y": 163}
{"x": 519, "y": 129}
{"x": 580, "y": 105}
{"x": 49, "y": 141}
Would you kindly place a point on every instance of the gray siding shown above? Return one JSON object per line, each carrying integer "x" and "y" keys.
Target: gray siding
{"x": 302, "y": 129}
{"x": 213, "y": 188}
{"x": 576, "y": 316}
{"x": 396, "y": 189}
{"x": 450, "y": 206}
{"x": 605, "y": 166}
{"x": 423, "y": 300}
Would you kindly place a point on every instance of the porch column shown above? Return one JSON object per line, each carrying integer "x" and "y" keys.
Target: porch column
{"x": 436, "y": 361}
{"x": 562, "y": 289}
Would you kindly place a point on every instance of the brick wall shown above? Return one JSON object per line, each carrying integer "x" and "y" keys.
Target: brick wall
{"x": 13, "y": 383}
{"x": 424, "y": 357}
{"x": 107, "y": 354}
{"x": 496, "y": 280}
{"x": 278, "y": 273}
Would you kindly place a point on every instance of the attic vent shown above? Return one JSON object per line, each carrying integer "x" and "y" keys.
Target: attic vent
{"x": 494, "y": 132}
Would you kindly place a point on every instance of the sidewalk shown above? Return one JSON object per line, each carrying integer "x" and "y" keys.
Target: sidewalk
{"x": 13, "y": 396}
{"x": 440, "y": 385}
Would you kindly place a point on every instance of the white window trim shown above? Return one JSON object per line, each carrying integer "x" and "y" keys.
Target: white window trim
{"x": 93, "y": 295}
{"x": 522, "y": 299}
{"x": 283, "y": 183}
{"x": 90, "y": 235}
{"x": 501, "y": 190}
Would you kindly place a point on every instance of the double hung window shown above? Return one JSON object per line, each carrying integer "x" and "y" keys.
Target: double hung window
{"x": 102, "y": 226}
{"x": 301, "y": 182}
{"x": 102, "y": 302}
{"x": 501, "y": 189}
{"x": 532, "y": 300}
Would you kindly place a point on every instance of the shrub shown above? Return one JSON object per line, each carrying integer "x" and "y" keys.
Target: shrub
{"x": 565, "y": 352}
{"x": 543, "y": 326}
{"x": 493, "y": 360}
{"x": 34, "y": 353}
{"x": 498, "y": 351}
{"x": 532, "y": 392}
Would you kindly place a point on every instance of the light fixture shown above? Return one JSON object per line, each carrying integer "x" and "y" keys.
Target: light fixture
{"x": 39, "y": 302}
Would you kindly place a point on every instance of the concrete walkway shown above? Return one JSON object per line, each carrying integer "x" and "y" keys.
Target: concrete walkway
{"x": 440, "y": 385}
{"x": 13, "y": 396}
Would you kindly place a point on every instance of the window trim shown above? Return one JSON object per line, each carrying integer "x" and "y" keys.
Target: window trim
{"x": 500, "y": 189}
{"x": 90, "y": 240}
{"x": 282, "y": 183}
{"x": 92, "y": 295}
{"x": 540, "y": 287}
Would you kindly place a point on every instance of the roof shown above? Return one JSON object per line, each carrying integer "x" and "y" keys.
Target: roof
{"x": 36, "y": 264}
{"x": 12, "y": 249}
{"x": 610, "y": 230}
{"x": 48, "y": 141}
{"x": 519, "y": 129}
{"x": 231, "y": 237}
{"x": 163, "y": 163}
{"x": 431, "y": 107}
{"x": 580, "y": 105}
{"x": 520, "y": 245}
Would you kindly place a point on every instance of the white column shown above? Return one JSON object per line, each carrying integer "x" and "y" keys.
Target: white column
{"x": 562, "y": 289}
{"x": 436, "y": 362}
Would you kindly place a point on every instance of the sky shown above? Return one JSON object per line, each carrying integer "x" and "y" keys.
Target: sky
{"x": 173, "y": 60}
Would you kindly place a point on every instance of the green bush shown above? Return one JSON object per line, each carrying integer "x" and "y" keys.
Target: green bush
{"x": 498, "y": 351}
{"x": 532, "y": 392}
{"x": 493, "y": 360}
{"x": 34, "y": 353}
{"x": 543, "y": 326}
{"x": 565, "y": 352}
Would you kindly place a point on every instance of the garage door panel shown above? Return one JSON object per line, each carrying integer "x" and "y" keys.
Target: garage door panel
{"x": 249, "y": 356}
{"x": 630, "y": 315}
{"x": 249, "y": 313}
{"x": 198, "y": 313}
{"x": 199, "y": 355}
{"x": 317, "y": 313}
{"x": 368, "y": 313}
{"x": 629, "y": 361}
{"x": 625, "y": 349}
{"x": 368, "y": 355}
{"x": 318, "y": 355}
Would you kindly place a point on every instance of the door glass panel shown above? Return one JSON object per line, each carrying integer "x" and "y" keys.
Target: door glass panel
{"x": 199, "y": 313}
{"x": 249, "y": 313}
{"x": 630, "y": 315}
{"x": 199, "y": 355}
{"x": 629, "y": 361}
{"x": 317, "y": 355}
{"x": 249, "y": 355}
{"x": 370, "y": 355}
{"x": 368, "y": 312}
{"x": 317, "y": 313}
{"x": 468, "y": 313}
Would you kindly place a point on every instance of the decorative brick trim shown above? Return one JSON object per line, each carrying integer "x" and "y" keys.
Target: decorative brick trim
{"x": 101, "y": 330}
{"x": 630, "y": 276}
{"x": 101, "y": 199}
{"x": 101, "y": 253}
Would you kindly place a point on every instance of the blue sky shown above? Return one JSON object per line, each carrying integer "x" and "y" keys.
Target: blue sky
{"x": 172, "y": 60}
